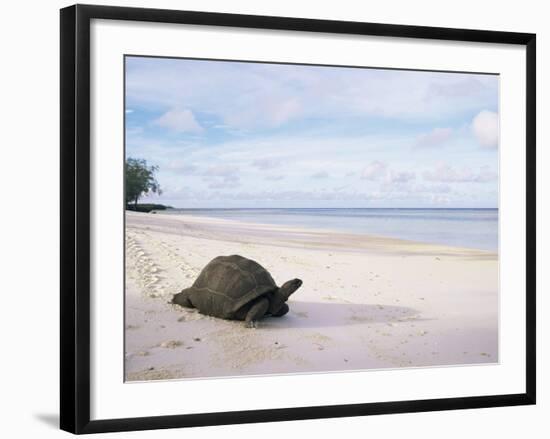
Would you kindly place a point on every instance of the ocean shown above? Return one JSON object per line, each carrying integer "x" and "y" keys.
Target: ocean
{"x": 470, "y": 228}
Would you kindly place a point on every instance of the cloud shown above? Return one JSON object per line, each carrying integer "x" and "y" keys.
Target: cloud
{"x": 379, "y": 171}
{"x": 439, "y": 199}
{"x": 221, "y": 171}
{"x": 402, "y": 192}
{"x": 266, "y": 163}
{"x": 262, "y": 95}
{"x": 485, "y": 129}
{"x": 470, "y": 86}
{"x": 225, "y": 168}
{"x": 222, "y": 176}
{"x": 274, "y": 177}
{"x": 273, "y": 127}
{"x": 182, "y": 121}
{"x": 375, "y": 170}
{"x": 320, "y": 174}
{"x": 128, "y": 111}
{"x": 434, "y": 138}
{"x": 408, "y": 190}
{"x": 231, "y": 179}
{"x": 226, "y": 182}
{"x": 292, "y": 195}
{"x": 447, "y": 174}
{"x": 284, "y": 111}
{"x": 181, "y": 167}
{"x": 399, "y": 176}
{"x": 433, "y": 188}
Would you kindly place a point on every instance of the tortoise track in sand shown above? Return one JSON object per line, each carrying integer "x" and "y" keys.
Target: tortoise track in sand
{"x": 175, "y": 259}
{"x": 141, "y": 267}
{"x": 158, "y": 268}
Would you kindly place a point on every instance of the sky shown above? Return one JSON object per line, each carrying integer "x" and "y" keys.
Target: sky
{"x": 232, "y": 134}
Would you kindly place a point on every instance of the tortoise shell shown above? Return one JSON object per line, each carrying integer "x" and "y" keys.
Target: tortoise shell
{"x": 228, "y": 283}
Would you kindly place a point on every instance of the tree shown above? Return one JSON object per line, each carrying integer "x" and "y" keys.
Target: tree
{"x": 140, "y": 180}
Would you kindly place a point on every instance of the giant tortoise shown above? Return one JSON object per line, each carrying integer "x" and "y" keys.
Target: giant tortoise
{"x": 237, "y": 288}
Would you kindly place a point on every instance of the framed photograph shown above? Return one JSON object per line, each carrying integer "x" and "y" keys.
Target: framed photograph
{"x": 274, "y": 218}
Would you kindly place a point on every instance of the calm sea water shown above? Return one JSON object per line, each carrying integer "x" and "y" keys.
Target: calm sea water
{"x": 472, "y": 228}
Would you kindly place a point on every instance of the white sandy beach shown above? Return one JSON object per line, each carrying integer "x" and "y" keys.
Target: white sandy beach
{"x": 366, "y": 302}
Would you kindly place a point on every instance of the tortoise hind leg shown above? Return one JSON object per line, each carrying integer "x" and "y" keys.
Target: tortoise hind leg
{"x": 183, "y": 299}
{"x": 256, "y": 312}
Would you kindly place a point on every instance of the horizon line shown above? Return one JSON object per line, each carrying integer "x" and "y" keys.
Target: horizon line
{"x": 316, "y": 208}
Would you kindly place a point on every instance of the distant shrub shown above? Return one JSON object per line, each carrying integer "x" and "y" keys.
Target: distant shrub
{"x": 146, "y": 207}
{"x": 140, "y": 180}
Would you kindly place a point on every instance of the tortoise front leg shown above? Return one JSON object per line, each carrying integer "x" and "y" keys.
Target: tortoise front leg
{"x": 284, "y": 309}
{"x": 256, "y": 312}
{"x": 183, "y": 299}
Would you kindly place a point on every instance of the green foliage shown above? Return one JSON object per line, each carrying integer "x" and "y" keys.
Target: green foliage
{"x": 140, "y": 180}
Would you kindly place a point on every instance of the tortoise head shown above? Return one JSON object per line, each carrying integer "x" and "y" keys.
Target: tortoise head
{"x": 281, "y": 295}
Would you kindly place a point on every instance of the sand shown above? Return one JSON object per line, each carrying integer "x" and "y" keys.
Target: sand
{"x": 366, "y": 303}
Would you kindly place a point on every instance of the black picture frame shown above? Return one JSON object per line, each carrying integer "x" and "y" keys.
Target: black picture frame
{"x": 75, "y": 217}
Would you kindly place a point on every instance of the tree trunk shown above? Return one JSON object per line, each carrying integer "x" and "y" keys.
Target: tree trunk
{"x": 135, "y": 203}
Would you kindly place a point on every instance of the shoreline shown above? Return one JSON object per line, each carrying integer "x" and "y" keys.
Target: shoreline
{"x": 276, "y": 233}
{"x": 366, "y": 302}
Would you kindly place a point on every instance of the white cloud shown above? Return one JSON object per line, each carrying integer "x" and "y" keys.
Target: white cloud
{"x": 266, "y": 163}
{"x": 278, "y": 195}
{"x": 255, "y": 96}
{"x": 274, "y": 177}
{"x": 293, "y": 195}
{"x": 284, "y": 111}
{"x": 434, "y": 138}
{"x": 320, "y": 174}
{"x": 434, "y": 189}
{"x": 468, "y": 86}
{"x": 375, "y": 170}
{"x": 400, "y": 176}
{"x": 222, "y": 176}
{"x": 485, "y": 129}
{"x": 129, "y": 110}
{"x": 409, "y": 190}
{"x": 439, "y": 200}
{"x": 447, "y": 174}
{"x": 230, "y": 182}
{"x": 221, "y": 171}
{"x": 181, "y": 167}
{"x": 217, "y": 172}
{"x": 179, "y": 120}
